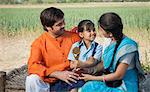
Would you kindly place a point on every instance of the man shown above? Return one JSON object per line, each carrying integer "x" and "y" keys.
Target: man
{"x": 48, "y": 64}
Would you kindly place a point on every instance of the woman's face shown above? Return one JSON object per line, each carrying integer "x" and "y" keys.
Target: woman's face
{"x": 104, "y": 33}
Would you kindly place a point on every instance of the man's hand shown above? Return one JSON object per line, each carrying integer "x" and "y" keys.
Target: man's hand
{"x": 66, "y": 76}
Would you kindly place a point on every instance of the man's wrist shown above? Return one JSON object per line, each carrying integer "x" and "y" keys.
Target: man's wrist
{"x": 55, "y": 74}
{"x": 49, "y": 76}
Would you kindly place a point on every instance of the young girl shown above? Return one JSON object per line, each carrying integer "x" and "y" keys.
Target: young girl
{"x": 85, "y": 53}
{"x": 121, "y": 60}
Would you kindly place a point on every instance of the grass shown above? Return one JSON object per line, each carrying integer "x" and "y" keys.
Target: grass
{"x": 14, "y": 19}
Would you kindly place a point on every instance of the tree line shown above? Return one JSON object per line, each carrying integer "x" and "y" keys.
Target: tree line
{"x": 62, "y": 1}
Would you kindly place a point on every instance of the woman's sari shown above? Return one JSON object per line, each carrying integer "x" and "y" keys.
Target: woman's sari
{"x": 130, "y": 79}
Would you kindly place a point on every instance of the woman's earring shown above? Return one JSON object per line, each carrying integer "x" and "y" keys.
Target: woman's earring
{"x": 110, "y": 35}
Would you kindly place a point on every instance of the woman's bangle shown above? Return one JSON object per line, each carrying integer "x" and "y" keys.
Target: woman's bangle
{"x": 104, "y": 78}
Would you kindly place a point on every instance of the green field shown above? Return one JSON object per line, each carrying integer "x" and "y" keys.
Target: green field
{"x": 136, "y": 20}
{"x": 16, "y": 19}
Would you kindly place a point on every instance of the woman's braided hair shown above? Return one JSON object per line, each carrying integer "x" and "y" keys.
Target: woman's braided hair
{"x": 111, "y": 22}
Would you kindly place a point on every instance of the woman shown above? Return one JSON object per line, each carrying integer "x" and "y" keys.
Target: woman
{"x": 120, "y": 59}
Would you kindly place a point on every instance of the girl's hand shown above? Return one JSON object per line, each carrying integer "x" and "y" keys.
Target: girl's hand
{"x": 87, "y": 77}
{"x": 74, "y": 64}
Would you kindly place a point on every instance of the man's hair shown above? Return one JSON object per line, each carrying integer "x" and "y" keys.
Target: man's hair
{"x": 50, "y": 16}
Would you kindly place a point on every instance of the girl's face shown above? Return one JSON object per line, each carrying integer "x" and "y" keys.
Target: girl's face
{"x": 88, "y": 35}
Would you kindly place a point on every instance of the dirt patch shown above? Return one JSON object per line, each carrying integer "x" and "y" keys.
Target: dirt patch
{"x": 14, "y": 51}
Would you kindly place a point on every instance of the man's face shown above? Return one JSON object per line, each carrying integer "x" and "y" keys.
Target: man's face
{"x": 58, "y": 28}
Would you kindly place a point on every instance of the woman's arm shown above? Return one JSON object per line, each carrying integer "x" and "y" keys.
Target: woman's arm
{"x": 125, "y": 63}
{"x": 117, "y": 75}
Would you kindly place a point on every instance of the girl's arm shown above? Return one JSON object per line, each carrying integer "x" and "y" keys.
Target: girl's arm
{"x": 93, "y": 60}
{"x": 89, "y": 63}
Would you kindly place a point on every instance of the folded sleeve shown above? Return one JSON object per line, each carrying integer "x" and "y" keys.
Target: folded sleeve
{"x": 35, "y": 64}
{"x": 59, "y": 67}
{"x": 98, "y": 53}
{"x": 127, "y": 58}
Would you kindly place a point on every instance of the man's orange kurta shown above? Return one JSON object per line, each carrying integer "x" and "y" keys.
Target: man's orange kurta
{"x": 50, "y": 54}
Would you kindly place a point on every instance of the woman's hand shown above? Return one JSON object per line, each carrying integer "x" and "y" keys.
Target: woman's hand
{"x": 87, "y": 77}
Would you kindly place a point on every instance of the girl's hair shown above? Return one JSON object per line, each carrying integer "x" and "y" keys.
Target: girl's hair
{"x": 111, "y": 22}
{"x": 85, "y": 25}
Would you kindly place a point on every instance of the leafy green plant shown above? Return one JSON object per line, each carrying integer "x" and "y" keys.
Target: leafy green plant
{"x": 146, "y": 65}
{"x": 146, "y": 68}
